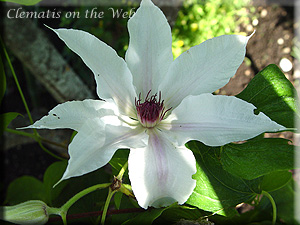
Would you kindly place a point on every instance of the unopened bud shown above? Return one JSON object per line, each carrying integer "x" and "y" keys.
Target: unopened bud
{"x": 32, "y": 212}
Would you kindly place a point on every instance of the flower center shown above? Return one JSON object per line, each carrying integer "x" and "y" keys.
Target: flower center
{"x": 151, "y": 111}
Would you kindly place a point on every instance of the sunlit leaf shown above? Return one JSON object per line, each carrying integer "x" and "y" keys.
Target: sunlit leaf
{"x": 256, "y": 158}
{"x": 273, "y": 94}
{"x": 217, "y": 190}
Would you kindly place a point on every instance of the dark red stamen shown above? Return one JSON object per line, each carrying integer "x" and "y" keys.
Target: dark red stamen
{"x": 151, "y": 111}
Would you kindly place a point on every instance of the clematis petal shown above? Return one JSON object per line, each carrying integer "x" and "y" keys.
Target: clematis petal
{"x": 203, "y": 68}
{"x": 149, "y": 54}
{"x": 161, "y": 173}
{"x": 74, "y": 114}
{"x": 216, "y": 120}
{"x": 95, "y": 144}
{"x": 114, "y": 79}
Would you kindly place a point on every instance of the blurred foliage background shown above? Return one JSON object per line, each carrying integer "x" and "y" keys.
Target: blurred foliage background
{"x": 200, "y": 20}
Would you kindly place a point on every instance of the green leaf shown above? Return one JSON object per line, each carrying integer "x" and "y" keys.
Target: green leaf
{"x": 256, "y": 158}
{"x": 285, "y": 199}
{"x": 126, "y": 203}
{"x": 2, "y": 80}
{"x": 73, "y": 135}
{"x": 23, "y": 2}
{"x": 29, "y": 188}
{"x": 217, "y": 190}
{"x": 52, "y": 175}
{"x": 275, "y": 180}
{"x": 174, "y": 214}
{"x": 285, "y": 203}
{"x": 273, "y": 94}
{"x": 89, "y": 203}
{"x": 5, "y": 120}
{"x": 145, "y": 218}
{"x": 118, "y": 160}
{"x": 117, "y": 199}
{"x": 24, "y": 189}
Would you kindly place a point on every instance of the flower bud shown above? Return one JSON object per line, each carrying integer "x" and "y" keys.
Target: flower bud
{"x": 32, "y": 212}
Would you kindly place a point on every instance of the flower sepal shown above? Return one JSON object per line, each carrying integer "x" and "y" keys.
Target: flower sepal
{"x": 127, "y": 190}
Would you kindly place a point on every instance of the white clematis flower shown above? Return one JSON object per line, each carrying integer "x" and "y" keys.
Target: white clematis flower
{"x": 154, "y": 105}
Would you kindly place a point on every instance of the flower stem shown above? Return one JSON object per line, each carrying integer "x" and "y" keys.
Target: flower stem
{"x": 124, "y": 188}
{"x": 38, "y": 138}
{"x": 64, "y": 218}
{"x": 122, "y": 171}
{"x": 17, "y": 82}
{"x": 22, "y": 133}
{"x": 273, "y": 206}
{"x": 64, "y": 209}
{"x": 79, "y": 195}
{"x": 109, "y": 196}
{"x": 24, "y": 101}
{"x": 111, "y": 192}
{"x": 49, "y": 152}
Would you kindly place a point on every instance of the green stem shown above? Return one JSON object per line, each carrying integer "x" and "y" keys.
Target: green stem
{"x": 273, "y": 206}
{"x": 22, "y": 133}
{"x": 110, "y": 195}
{"x": 122, "y": 171}
{"x": 58, "y": 211}
{"x": 62, "y": 211}
{"x": 53, "y": 143}
{"x": 49, "y": 152}
{"x": 24, "y": 100}
{"x": 17, "y": 82}
{"x": 103, "y": 217}
{"x": 38, "y": 139}
{"x": 64, "y": 218}
{"x": 79, "y": 195}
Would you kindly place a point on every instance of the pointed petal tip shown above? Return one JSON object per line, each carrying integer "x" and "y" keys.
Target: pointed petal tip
{"x": 281, "y": 128}
{"x": 226, "y": 117}
{"x": 27, "y": 127}
{"x": 57, "y": 183}
{"x": 274, "y": 126}
{"x": 146, "y": 2}
{"x": 65, "y": 176}
{"x": 50, "y": 28}
{"x": 251, "y": 34}
{"x": 149, "y": 67}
